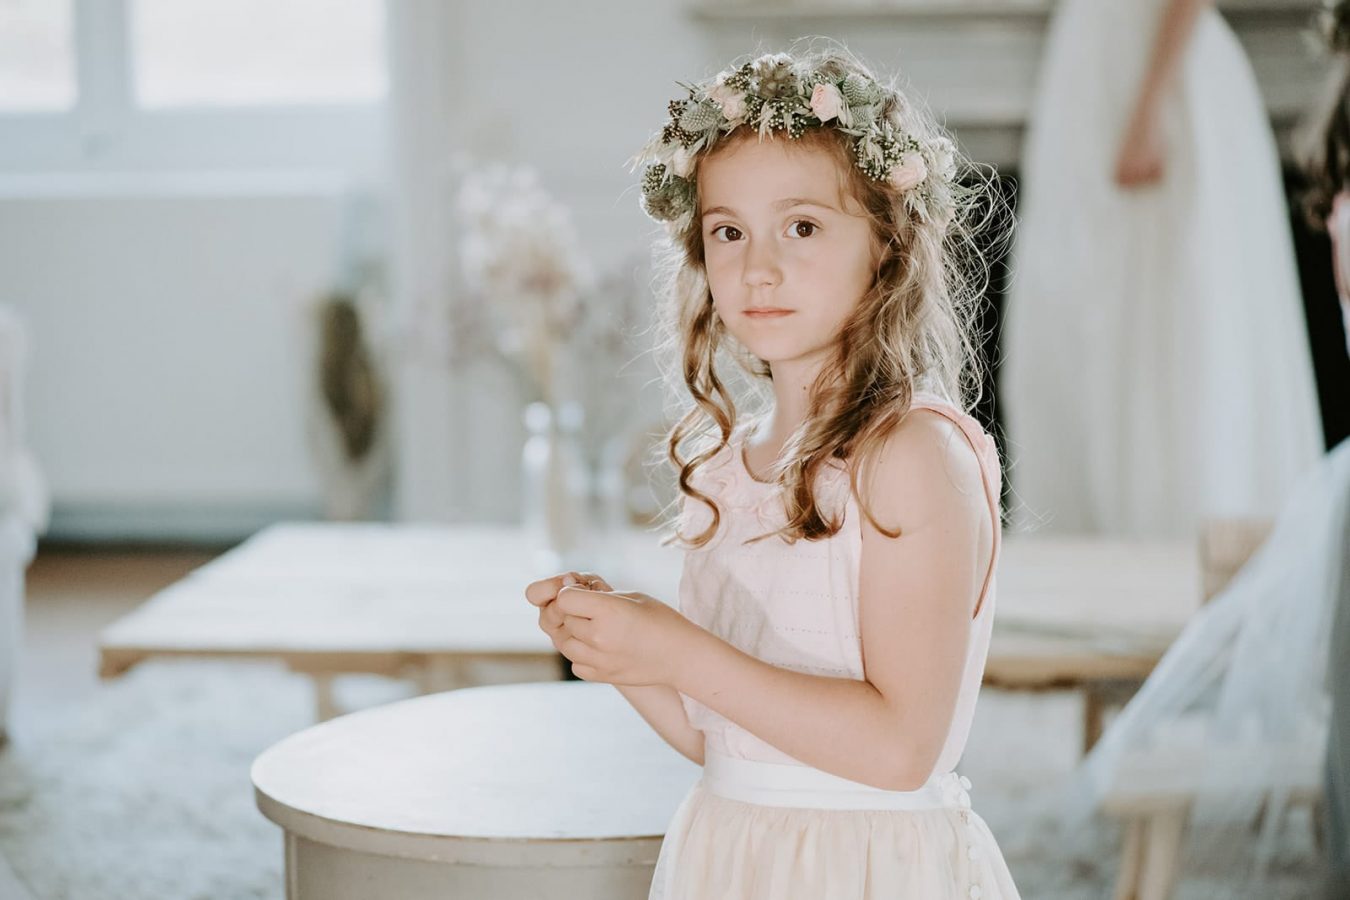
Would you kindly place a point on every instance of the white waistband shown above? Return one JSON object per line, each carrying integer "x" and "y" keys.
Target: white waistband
{"x": 776, "y": 784}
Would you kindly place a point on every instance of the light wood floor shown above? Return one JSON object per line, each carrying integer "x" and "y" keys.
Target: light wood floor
{"x": 71, "y": 594}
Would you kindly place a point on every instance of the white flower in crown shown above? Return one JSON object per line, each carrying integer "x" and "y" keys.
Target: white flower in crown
{"x": 909, "y": 172}
{"x": 944, "y": 157}
{"x": 682, "y": 162}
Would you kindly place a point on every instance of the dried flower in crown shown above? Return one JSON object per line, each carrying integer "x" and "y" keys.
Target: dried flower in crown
{"x": 771, "y": 94}
{"x": 1333, "y": 25}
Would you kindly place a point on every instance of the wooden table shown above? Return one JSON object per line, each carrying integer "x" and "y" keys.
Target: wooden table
{"x": 532, "y": 790}
{"x": 429, "y": 601}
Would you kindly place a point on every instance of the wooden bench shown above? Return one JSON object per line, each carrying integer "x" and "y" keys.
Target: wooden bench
{"x": 551, "y": 791}
{"x": 1155, "y": 819}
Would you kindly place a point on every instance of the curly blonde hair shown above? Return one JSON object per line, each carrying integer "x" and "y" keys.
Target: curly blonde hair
{"x": 914, "y": 323}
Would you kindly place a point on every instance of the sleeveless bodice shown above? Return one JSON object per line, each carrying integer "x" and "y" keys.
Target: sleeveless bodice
{"x": 796, "y": 605}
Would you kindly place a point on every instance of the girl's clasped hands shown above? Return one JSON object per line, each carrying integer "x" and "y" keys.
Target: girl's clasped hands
{"x": 615, "y": 637}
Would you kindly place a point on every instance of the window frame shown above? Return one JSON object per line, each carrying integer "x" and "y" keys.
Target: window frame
{"x": 105, "y": 130}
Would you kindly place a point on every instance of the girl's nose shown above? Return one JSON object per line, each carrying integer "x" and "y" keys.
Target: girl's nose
{"x": 761, "y": 264}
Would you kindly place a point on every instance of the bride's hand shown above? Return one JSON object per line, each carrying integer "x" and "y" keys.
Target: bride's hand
{"x": 1141, "y": 157}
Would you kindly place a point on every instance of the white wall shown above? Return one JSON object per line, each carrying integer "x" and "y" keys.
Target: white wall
{"x": 168, "y": 377}
{"x": 167, "y": 383}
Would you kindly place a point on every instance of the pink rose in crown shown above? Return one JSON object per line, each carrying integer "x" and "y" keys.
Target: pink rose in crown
{"x": 730, "y": 100}
{"x": 826, "y": 102}
{"x": 909, "y": 172}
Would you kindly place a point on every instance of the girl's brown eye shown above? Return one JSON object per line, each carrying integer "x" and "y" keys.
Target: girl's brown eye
{"x": 729, "y": 230}
{"x": 811, "y": 225}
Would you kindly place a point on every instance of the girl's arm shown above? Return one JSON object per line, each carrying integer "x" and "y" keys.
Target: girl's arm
{"x": 918, "y": 594}
{"x": 660, "y": 705}
{"x": 1141, "y": 153}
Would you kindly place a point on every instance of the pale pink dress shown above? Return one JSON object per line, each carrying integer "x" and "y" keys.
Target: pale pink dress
{"x": 760, "y": 825}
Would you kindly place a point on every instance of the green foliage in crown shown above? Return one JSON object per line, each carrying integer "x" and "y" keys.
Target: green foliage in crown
{"x": 771, "y": 94}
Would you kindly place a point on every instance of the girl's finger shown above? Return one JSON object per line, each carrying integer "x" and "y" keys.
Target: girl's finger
{"x": 550, "y": 619}
{"x": 581, "y": 628}
{"x": 577, "y": 651}
{"x": 578, "y": 601}
{"x": 544, "y": 590}
{"x": 594, "y": 582}
{"x": 585, "y": 673}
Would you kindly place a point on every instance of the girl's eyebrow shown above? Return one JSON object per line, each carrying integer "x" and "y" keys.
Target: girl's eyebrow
{"x": 785, "y": 203}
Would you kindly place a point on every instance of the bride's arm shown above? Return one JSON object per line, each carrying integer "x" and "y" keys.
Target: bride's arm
{"x": 1141, "y": 154}
{"x": 1169, "y": 44}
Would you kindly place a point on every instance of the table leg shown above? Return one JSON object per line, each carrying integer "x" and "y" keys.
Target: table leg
{"x": 292, "y": 870}
{"x": 325, "y": 707}
{"x": 441, "y": 673}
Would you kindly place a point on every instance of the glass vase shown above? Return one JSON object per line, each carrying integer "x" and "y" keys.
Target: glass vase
{"x": 554, "y": 485}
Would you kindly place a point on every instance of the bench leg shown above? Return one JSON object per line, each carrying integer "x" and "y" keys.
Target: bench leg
{"x": 1162, "y": 855}
{"x": 1093, "y": 703}
{"x": 1276, "y": 806}
{"x": 1098, "y": 696}
{"x": 1131, "y": 860}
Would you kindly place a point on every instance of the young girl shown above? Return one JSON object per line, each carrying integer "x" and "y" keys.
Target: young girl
{"x": 838, "y": 589}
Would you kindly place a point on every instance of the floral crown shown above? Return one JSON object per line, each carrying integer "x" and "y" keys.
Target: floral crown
{"x": 770, "y": 94}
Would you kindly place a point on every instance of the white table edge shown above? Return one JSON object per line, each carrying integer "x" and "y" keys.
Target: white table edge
{"x": 477, "y": 851}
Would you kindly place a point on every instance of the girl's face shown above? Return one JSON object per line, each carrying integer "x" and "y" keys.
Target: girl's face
{"x": 788, "y": 258}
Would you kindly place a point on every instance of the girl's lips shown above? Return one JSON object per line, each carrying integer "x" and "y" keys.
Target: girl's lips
{"x": 767, "y": 313}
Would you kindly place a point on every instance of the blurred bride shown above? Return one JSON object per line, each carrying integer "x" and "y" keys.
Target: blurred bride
{"x": 1250, "y": 706}
{"x": 1156, "y": 364}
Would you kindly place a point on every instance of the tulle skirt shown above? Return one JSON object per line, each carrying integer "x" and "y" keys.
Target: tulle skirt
{"x": 765, "y": 831}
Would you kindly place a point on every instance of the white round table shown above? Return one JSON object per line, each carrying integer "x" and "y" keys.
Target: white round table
{"x": 540, "y": 790}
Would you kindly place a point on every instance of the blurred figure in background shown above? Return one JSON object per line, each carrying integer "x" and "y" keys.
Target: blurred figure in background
{"x": 1251, "y": 703}
{"x": 1325, "y": 155}
{"x": 1155, "y": 245}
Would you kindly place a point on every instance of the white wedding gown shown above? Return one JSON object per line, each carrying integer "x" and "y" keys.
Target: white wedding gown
{"x": 1156, "y": 367}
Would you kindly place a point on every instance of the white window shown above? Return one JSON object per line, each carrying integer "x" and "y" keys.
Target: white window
{"x": 147, "y": 85}
{"x": 37, "y": 55}
{"x": 256, "y": 52}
